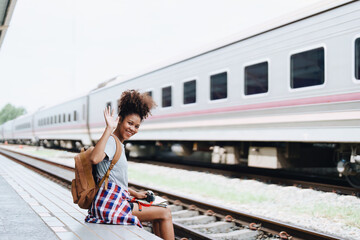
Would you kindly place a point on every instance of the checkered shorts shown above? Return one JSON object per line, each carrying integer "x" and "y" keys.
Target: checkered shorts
{"x": 112, "y": 206}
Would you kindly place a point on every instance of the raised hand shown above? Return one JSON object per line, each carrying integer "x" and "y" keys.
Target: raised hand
{"x": 109, "y": 118}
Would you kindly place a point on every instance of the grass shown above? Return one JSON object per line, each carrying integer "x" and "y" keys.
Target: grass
{"x": 349, "y": 214}
{"x": 202, "y": 187}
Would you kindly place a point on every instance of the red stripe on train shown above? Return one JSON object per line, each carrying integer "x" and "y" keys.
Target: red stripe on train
{"x": 288, "y": 103}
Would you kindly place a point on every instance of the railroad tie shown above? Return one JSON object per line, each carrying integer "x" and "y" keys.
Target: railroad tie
{"x": 174, "y": 208}
{"x": 243, "y": 234}
{"x": 202, "y": 219}
{"x": 184, "y": 214}
{"x": 214, "y": 227}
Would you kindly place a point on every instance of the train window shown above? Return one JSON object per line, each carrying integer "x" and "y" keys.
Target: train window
{"x": 166, "y": 97}
{"x": 357, "y": 59}
{"x": 47, "y": 121}
{"x": 22, "y": 126}
{"x": 64, "y": 118}
{"x": 69, "y": 117}
{"x": 51, "y": 120}
{"x": 108, "y": 104}
{"x": 218, "y": 86}
{"x": 75, "y": 117}
{"x": 149, "y": 93}
{"x": 256, "y": 78}
{"x": 307, "y": 68}
{"x": 59, "y": 118}
{"x": 55, "y": 119}
{"x": 190, "y": 92}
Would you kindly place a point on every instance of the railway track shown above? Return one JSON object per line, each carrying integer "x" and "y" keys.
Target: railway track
{"x": 192, "y": 219}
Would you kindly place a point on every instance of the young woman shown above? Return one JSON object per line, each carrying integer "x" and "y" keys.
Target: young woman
{"x": 112, "y": 205}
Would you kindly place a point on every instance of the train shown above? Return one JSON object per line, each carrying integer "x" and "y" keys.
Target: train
{"x": 284, "y": 95}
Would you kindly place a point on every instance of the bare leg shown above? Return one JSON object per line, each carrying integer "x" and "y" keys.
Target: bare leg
{"x": 156, "y": 228}
{"x": 159, "y": 214}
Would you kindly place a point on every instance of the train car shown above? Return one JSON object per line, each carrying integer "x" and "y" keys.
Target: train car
{"x": 63, "y": 125}
{"x": 284, "y": 96}
{"x": 8, "y": 131}
{"x": 292, "y": 83}
{"x": 23, "y": 129}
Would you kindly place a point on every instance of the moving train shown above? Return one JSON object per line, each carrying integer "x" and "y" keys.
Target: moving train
{"x": 279, "y": 96}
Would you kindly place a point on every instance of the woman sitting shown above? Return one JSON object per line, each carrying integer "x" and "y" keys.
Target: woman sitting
{"x": 112, "y": 205}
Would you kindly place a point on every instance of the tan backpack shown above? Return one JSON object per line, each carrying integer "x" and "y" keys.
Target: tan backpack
{"x": 83, "y": 187}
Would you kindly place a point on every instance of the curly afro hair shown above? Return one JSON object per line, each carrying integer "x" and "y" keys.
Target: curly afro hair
{"x": 132, "y": 101}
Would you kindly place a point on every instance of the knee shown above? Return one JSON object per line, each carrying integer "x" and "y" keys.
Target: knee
{"x": 167, "y": 214}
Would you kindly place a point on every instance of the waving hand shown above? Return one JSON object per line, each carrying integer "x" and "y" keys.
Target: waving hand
{"x": 109, "y": 118}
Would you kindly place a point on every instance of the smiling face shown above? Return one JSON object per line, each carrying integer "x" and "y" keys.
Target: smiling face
{"x": 129, "y": 126}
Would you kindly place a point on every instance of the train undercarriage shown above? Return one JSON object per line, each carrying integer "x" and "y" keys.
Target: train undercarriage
{"x": 340, "y": 160}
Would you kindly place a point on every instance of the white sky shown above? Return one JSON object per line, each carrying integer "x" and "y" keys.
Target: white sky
{"x": 55, "y": 50}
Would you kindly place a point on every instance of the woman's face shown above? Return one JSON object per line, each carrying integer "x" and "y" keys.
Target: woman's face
{"x": 129, "y": 126}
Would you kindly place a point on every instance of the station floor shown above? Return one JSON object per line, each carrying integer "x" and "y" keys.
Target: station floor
{"x": 33, "y": 207}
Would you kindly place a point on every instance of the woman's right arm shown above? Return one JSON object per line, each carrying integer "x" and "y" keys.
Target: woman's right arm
{"x": 98, "y": 153}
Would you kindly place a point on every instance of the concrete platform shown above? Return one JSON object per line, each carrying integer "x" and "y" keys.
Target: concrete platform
{"x": 17, "y": 212}
{"x": 34, "y": 207}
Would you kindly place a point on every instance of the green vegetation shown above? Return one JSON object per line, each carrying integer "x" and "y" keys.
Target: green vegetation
{"x": 350, "y": 215}
{"x": 10, "y": 112}
{"x": 202, "y": 187}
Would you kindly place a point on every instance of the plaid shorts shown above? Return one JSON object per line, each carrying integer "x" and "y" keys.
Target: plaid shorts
{"x": 112, "y": 206}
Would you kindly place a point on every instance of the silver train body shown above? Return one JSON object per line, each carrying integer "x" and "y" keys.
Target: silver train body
{"x": 297, "y": 81}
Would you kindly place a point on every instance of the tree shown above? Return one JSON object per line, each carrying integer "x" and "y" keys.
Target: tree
{"x": 10, "y": 112}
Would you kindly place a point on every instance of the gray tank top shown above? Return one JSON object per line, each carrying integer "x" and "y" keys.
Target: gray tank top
{"x": 119, "y": 174}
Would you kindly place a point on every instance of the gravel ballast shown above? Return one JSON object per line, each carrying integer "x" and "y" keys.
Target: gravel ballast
{"x": 330, "y": 213}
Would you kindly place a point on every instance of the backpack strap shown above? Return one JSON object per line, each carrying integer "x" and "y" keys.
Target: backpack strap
{"x": 113, "y": 162}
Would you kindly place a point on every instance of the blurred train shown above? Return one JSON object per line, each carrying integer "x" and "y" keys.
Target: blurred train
{"x": 279, "y": 96}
